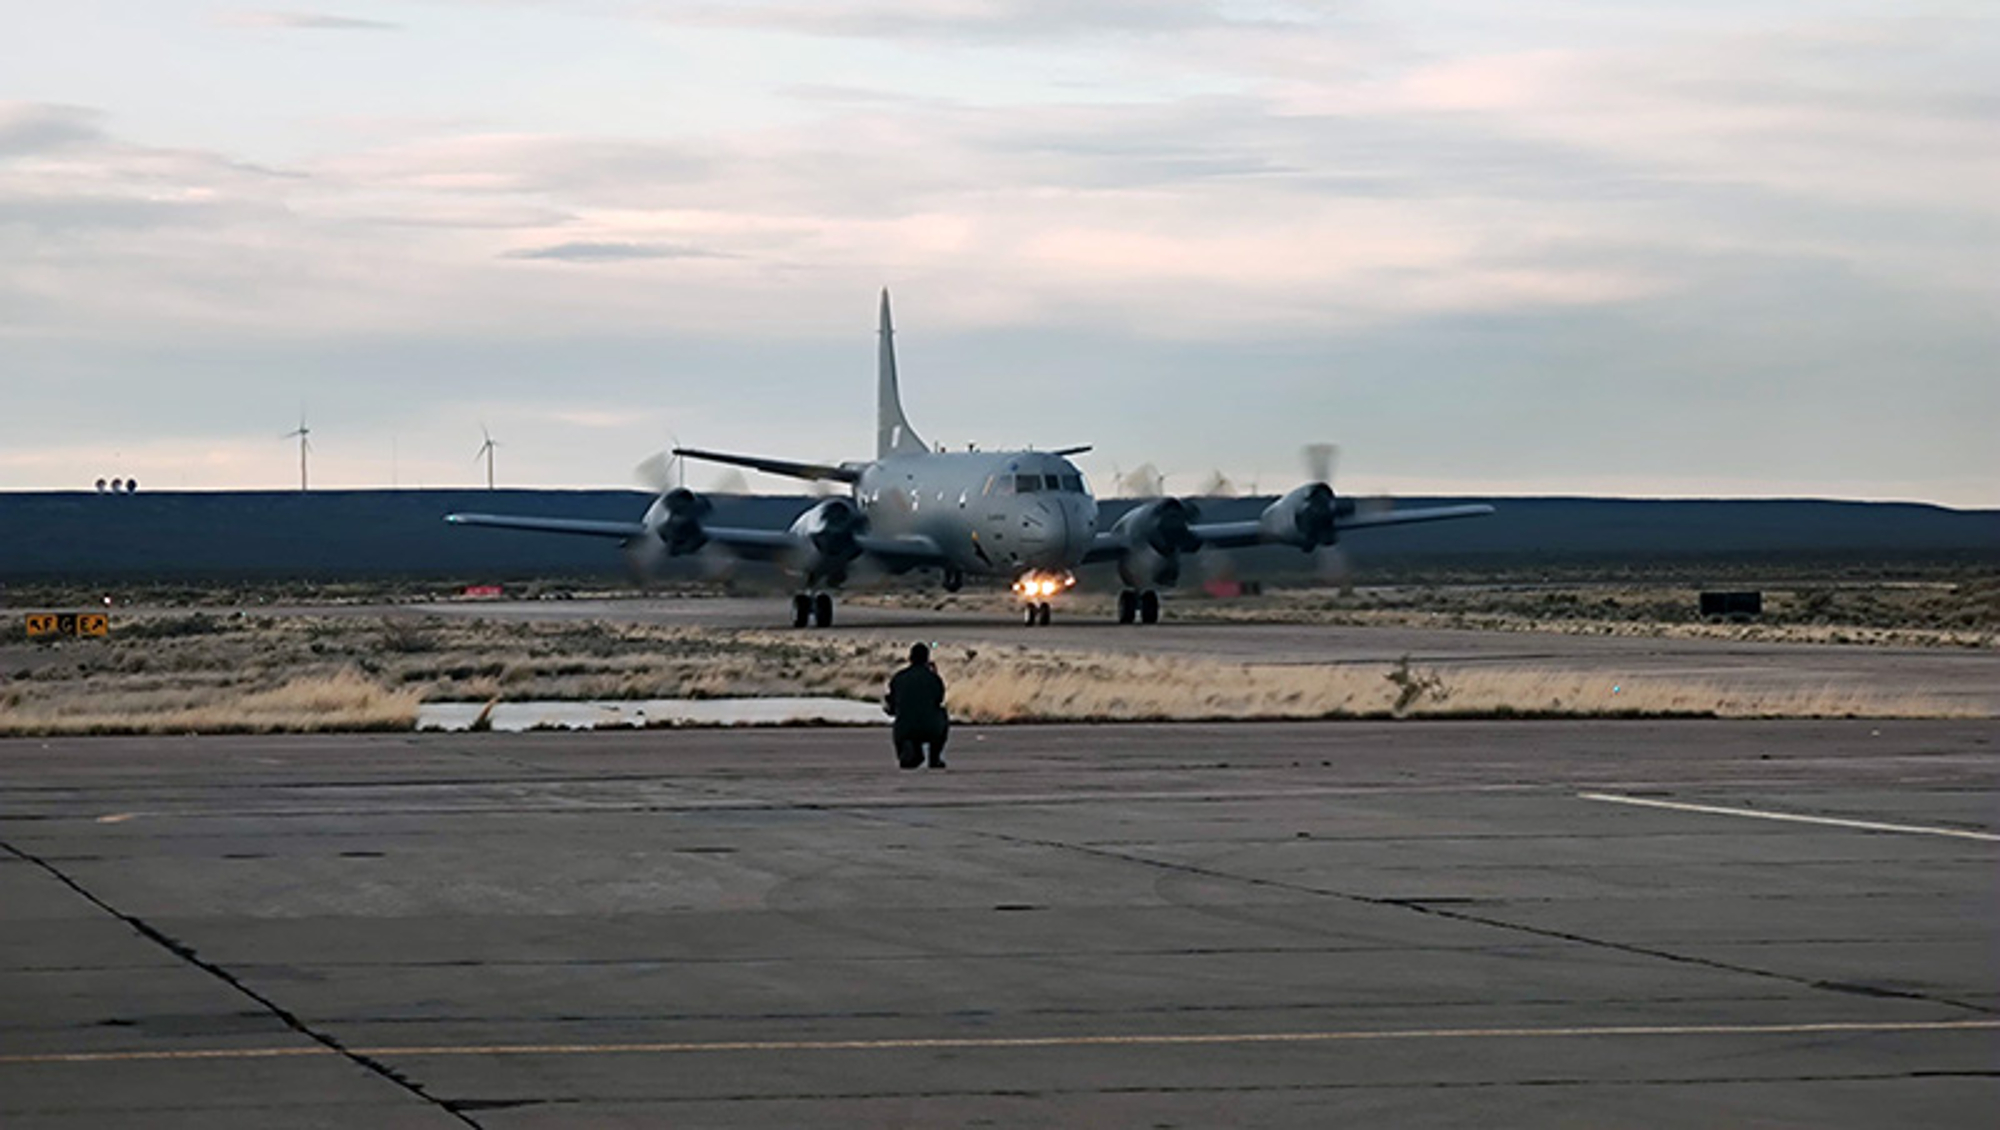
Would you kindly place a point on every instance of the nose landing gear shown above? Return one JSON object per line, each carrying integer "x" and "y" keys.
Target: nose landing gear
{"x": 1035, "y": 589}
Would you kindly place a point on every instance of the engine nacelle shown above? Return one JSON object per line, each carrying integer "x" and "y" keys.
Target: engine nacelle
{"x": 1308, "y": 517}
{"x": 829, "y": 540}
{"x": 1157, "y": 534}
{"x": 676, "y": 518}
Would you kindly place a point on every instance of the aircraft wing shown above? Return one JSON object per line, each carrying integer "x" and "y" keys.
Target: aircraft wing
{"x": 1108, "y": 545}
{"x": 751, "y": 545}
{"x": 1235, "y": 535}
{"x": 582, "y": 526}
{"x": 1404, "y": 517}
{"x": 811, "y": 472}
{"x": 898, "y": 554}
{"x": 758, "y": 545}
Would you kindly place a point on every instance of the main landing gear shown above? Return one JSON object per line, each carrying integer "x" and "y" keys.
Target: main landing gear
{"x": 815, "y": 609}
{"x": 1140, "y": 606}
{"x": 1038, "y": 614}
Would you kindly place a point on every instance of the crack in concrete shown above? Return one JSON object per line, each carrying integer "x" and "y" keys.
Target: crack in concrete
{"x": 1445, "y": 912}
{"x": 284, "y": 1015}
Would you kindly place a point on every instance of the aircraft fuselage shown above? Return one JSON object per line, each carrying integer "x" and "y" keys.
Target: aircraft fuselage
{"x": 991, "y": 513}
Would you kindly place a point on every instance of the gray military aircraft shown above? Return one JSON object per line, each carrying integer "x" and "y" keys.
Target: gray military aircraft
{"x": 1027, "y": 516}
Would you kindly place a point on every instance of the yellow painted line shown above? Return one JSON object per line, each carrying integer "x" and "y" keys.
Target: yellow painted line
{"x": 1792, "y": 817}
{"x": 1008, "y": 1042}
{"x": 116, "y": 818}
{"x": 187, "y": 1053}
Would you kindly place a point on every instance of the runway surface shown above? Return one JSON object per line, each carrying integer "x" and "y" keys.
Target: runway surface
{"x": 1955, "y": 676}
{"x": 1448, "y": 924}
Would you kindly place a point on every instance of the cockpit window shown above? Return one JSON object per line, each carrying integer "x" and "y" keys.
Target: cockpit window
{"x": 998, "y": 484}
{"x": 1073, "y": 483}
{"x": 1027, "y": 484}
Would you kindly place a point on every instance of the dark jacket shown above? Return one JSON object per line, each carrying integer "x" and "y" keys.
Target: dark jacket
{"x": 916, "y": 698}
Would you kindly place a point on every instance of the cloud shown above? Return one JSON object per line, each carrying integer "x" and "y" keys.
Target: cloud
{"x": 56, "y": 214}
{"x": 35, "y": 127}
{"x": 970, "y": 20}
{"x": 1486, "y": 250}
{"x": 307, "y": 21}
{"x": 583, "y": 251}
{"x": 587, "y": 168}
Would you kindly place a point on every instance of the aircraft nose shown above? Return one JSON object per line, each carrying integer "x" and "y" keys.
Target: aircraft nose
{"x": 1057, "y": 532}
{"x": 1076, "y": 530}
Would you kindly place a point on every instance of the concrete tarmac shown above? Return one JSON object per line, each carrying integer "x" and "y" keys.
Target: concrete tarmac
{"x": 1442, "y": 924}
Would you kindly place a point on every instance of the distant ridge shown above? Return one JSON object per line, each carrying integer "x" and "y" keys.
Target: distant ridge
{"x": 335, "y": 534}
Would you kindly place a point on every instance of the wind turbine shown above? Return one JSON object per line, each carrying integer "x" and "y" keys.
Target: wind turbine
{"x": 486, "y": 449}
{"x": 305, "y": 445}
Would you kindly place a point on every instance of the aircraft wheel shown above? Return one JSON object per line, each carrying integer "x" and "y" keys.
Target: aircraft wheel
{"x": 802, "y": 610}
{"x": 1042, "y": 612}
{"x": 1128, "y": 606}
{"x": 822, "y": 609}
{"x": 1034, "y": 616}
{"x": 954, "y": 580}
{"x": 1149, "y": 607}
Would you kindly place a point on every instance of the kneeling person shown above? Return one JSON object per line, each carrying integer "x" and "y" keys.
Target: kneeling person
{"x": 916, "y": 700}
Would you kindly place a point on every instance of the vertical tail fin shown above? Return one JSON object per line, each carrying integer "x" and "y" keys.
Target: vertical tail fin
{"x": 893, "y": 434}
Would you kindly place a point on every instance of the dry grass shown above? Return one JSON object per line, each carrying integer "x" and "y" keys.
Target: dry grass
{"x": 342, "y": 701}
{"x": 1020, "y": 687}
{"x": 178, "y": 674}
{"x": 216, "y": 673}
{"x": 1597, "y": 619}
{"x": 1935, "y": 614}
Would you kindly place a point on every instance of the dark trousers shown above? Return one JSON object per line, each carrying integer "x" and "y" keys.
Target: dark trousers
{"x": 910, "y": 748}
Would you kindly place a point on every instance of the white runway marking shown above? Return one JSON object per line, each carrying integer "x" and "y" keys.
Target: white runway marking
{"x": 1864, "y": 825}
{"x": 1006, "y": 1042}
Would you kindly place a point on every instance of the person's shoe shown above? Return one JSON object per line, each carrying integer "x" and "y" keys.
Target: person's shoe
{"x": 937, "y": 763}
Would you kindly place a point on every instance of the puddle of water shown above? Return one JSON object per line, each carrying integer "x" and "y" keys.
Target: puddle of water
{"x": 516, "y": 716}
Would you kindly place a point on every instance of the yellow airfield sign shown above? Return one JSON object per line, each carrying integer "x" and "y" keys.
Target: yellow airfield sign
{"x": 68, "y": 624}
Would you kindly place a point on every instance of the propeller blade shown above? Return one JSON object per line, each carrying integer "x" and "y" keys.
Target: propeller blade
{"x": 1214, "y": 565}
{"x": 717, "y": 563}
{"x": 644, "y": 557}
{"x": 1334, "y": 567}
{"x": 1320, "y": 460}
{"x": 1143, "y": 481}
{"x": 656, "y": 472}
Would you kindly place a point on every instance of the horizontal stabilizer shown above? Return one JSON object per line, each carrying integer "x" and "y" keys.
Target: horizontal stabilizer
{"x": 811, "y": 472}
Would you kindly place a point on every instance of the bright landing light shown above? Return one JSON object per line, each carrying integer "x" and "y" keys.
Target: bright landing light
{"x": 1037, "y": 586}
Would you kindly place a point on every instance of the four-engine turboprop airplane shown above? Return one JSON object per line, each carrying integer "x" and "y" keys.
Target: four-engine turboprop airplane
{"x": 1023, "y": 515}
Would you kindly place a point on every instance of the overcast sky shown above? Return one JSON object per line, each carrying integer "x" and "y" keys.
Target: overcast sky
{"x": 1730, "y": 249}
